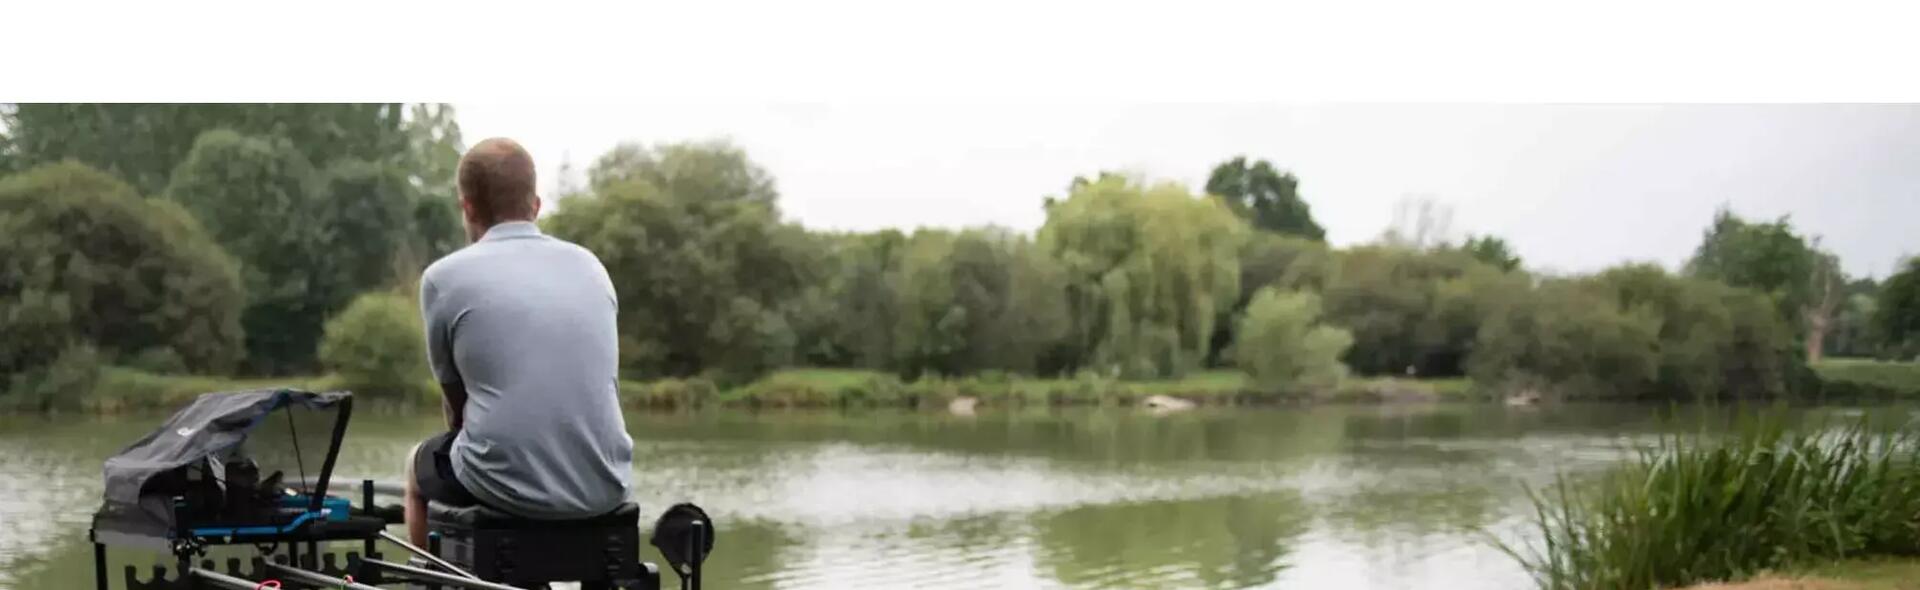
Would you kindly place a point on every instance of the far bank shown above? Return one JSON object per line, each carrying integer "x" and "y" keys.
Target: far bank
{"x": 118, "y": 389}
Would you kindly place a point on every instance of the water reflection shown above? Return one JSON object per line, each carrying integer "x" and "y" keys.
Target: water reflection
{"x": 1227, "y": 542}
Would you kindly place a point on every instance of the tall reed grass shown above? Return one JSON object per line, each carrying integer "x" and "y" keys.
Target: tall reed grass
{"x": 1710, "y": 507}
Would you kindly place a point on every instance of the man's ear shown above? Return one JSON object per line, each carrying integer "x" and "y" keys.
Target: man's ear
{"x": 537, "y": 202}
{"x": 466, "y": 210}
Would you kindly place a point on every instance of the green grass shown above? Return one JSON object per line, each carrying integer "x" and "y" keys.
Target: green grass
{"x": 822, "y": 387}
{"x": 1699, "y": 508}
{"x": 121, "y": 389}
{"x": 1867, "y": 378}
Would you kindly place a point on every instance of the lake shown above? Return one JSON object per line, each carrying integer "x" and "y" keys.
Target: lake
{"x": 1349, "y": 497}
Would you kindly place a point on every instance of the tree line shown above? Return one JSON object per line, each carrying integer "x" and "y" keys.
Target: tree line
{"x": 224, "y": 238}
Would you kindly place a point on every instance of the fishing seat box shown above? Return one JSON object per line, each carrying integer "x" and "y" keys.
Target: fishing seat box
{"x": 600, "y": 552}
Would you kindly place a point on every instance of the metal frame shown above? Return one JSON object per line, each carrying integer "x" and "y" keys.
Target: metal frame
{"x": 314, "y": 568}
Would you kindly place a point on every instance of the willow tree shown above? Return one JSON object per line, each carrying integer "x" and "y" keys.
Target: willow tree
{"x": 1149, "y": 269}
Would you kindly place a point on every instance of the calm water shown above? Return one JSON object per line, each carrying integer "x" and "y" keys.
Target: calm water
{"x": 1326, "y": 497}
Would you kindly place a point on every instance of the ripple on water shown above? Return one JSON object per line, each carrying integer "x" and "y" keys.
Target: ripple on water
{"x": 44, "y": 495}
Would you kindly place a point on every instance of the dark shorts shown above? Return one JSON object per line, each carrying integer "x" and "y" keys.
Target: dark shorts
{"x": 433, "y": 473}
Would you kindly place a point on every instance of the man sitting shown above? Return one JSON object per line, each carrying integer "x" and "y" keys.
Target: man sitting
{"x": 521, "y": 337}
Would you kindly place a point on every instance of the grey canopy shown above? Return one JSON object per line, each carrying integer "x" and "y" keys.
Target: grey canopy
{"x": 214, "y": 426}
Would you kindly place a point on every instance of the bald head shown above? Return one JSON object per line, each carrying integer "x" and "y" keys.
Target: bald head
{"x": 496, "y": 184}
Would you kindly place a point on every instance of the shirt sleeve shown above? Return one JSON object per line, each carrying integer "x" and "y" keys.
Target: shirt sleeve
{"x": 439, "y": 320}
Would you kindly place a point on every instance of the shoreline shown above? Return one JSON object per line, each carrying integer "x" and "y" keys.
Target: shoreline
{"x": 122, "y": 390}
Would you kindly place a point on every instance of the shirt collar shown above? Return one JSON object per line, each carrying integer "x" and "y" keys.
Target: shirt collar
{"x": 511, "y": 229}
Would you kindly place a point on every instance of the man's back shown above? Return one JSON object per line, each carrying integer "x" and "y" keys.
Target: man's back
{"x": 526, "y": 323}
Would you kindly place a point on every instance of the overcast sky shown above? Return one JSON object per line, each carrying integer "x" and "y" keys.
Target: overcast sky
{"x": 1574, "y": 188}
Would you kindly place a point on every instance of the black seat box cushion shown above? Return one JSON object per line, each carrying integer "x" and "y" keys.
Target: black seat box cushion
{"x": 482, "y": 517}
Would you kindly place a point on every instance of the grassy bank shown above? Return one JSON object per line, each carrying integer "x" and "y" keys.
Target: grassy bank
{"x": 1878, "y": 574}
{"x": 817, "y": 388}
{"x": 121, "y": 389}
{"x": 1868, "y": 379}
{"x": 1698, "y": 508}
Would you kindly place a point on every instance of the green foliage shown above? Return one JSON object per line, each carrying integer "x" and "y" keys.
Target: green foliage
{"x": 1266, "y": 197}
{"x": 433, "y": 152}
{"x": 979, "y": 300}
{"x": 1569, "y": 338}
{"x": 1493, "y": 251}
{"x": 375, "y": 347}
{"x": 89, "y": 265}
{"x": 260, "y": 199}
{"x": 1804, "y": 282}
{"x": 1149, "y": 272}
{"x": 1283, "y": 346}
{"x": 121, "y": 389}
{"x": 699, "y": 255}
{"x": 72, "y": 374}
{"x": 368, "y": 211}
{"x": 1846, "y": 379}
{"x": 143, "y": 143}
{"x": 1896, "y": 313}
{"x": 1767, "y": 257}
{"x": 1854, "y": 331}
{"x": 1391, "y": 299}
{"x": 1702, "y": 508}
{"x": 1634, "y": 331}
{"x": 1277, "y": 261}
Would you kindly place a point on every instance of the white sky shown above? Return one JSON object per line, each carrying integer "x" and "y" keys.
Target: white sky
{"x": 1575, "y": 188}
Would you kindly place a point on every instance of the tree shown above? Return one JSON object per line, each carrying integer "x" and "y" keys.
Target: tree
{"x": 89, "y": 266}
{"x": 368, "y": 210}
{"x": 143, "y": 143}
{"x": 1569, "y": 339}
{"x": 976, "y": 300}
{"x": 1283, "y": 347}
{"x": 1266, "y": 197}
{"x": 433, "y": 152}
{"x": 1712, "y": 339}
{"x": 1391, "y": 298}
{"x": 1493, "y": 251}
{"x": 261, "y": 200}
{"x": 1897, "y": 310}
{"x": 1272, "y": 260}
{"x": 1804, "y": 282}
{"x": 1149, "y": 270}
{"x": 695, "y": 246}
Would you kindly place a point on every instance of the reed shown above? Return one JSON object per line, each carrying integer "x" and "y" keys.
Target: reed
{"x": 1712, "y": 507}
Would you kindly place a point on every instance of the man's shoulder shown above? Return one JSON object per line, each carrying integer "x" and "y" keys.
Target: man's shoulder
{"x": 478, "y": 256}
{"x": 451, "y": 264}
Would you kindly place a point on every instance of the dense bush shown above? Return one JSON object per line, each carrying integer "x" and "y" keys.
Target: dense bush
{"x": 376, "y": 346}
{"x": 87, "y": 265}
{"x": 1634, "y": 332}
{"x": 1702, "y": 508}
{"x": 1390, "y": 298}
{"x": 1283, "y": 347}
